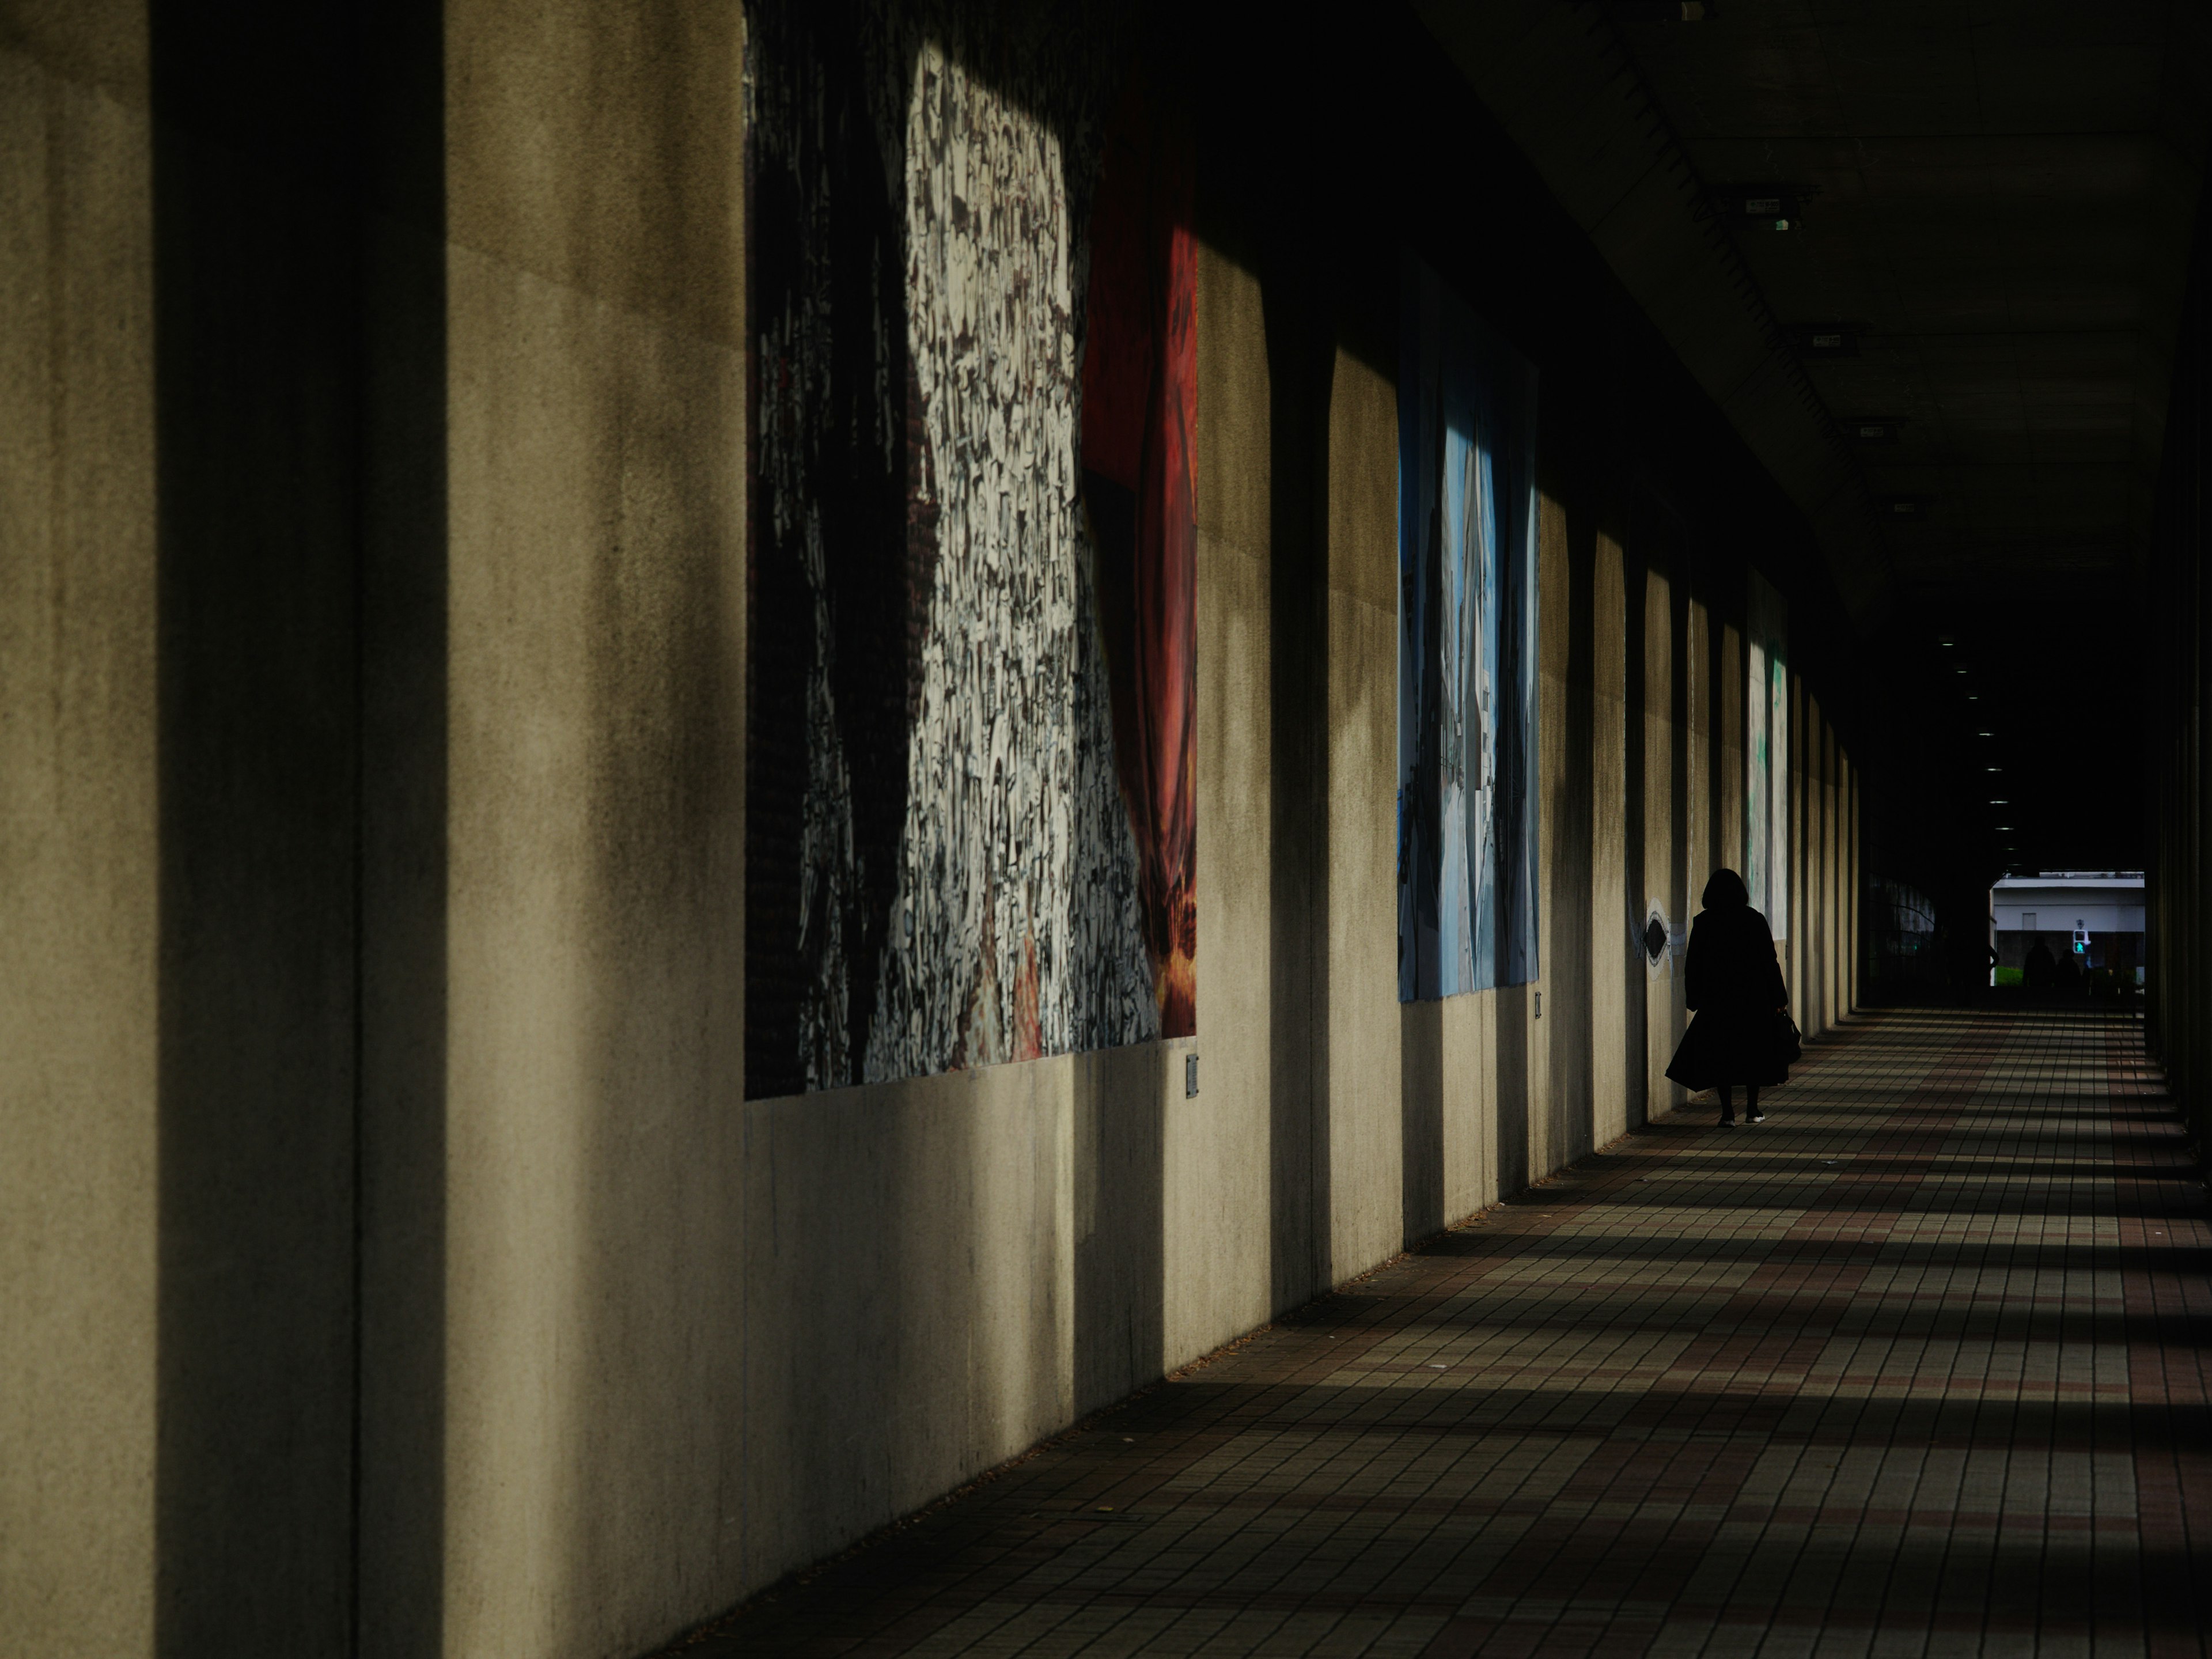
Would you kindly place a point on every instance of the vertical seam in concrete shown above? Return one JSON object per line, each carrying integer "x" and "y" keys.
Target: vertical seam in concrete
{"x": 358, "y": 368}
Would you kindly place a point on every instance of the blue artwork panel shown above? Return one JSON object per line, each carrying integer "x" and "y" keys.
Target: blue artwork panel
{"x": 1466, "y": 649}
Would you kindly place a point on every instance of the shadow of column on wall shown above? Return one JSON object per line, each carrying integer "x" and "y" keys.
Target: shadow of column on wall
{"x": 1421, "y": 1116}
{"x": 400, "y": 1499}
{"x": 1570, "y": 849}
{"x": 1512, "y": 1108}
{"x": 1635, "y": 1066}
{"x": 1300, "y": 356}
{"x": 266, "y": 389}
{"x": 1120, "y": 1134}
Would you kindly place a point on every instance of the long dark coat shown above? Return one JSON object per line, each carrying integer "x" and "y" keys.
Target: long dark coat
{"x": 1735, "y": 985}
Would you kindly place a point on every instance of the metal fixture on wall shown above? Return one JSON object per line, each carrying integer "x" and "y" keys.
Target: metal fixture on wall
{"x": 1824, "y": 340}
{"x": 1760, "y": 206}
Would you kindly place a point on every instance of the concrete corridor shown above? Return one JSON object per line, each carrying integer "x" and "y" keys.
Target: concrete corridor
{"x": 1915, "y": 1367}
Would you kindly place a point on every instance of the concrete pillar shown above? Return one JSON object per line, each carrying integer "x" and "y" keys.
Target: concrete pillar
{"x": 1794, "y": 926}
{"x": 1729, "y": 825}
{"x": 1817, "y": 916}
{"x": 599, "y": 1163}
{"x": 1703, "y": 730}
{"x": 1816, "y": 872}
{"x": 1854, "y": 880}
{"x": 1220, "y": 1168}
{"x": 1562, "y": 1021}
{"x": 1363, "y": 1087}
{"x": 1663, "y": 747}
{"x": 1839, "y": 932}
{"x": 80, "y": 907}
{"x": 1616, "y": 910}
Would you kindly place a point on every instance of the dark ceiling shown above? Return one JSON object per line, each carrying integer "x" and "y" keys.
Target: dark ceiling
{"x": 2001, "y": 196}
{"x": 1991, "y": 202}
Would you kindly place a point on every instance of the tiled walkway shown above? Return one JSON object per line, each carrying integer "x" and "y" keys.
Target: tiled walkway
{"x": 1917, "y": 1367}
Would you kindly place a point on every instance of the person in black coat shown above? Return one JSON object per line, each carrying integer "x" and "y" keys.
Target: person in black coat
{"x": 1742, "y": 1007}
{"x": 2042, "y": 969}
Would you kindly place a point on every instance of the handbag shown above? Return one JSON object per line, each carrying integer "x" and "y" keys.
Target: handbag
{"x": 1788, "y": 1041}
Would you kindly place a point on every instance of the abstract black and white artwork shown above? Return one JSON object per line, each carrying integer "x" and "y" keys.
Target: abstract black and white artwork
{"x": 971, "y": 813}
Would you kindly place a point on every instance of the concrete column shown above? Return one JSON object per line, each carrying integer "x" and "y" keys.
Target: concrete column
{"x": 1832, "y": 798}
{"x": 1562, "y": 1021}
{"x": 604, "y": 1360}
{"x": 1794, "y": 925}
{"x": 1365, "y": 1174}
{"x": 1855, "y": 948}
{"x": 1219, "y": 1170}
{"x": 1661, "y": 755}
{"x": 79, "y": 836}
{"x": 1616, "y": 913}
{"x": 1816, "y": 866}
{"x": 1700, "y": 769}
{"x": 1815, "y": 951}
{"x": 1728, "y": 826}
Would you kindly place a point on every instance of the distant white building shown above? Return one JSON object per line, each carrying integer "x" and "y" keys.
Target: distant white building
{"x": 2099, "y": 910}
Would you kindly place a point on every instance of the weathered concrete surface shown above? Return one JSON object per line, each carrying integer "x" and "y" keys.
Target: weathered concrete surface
{"x": 1561, "y": 1009}
{"x": 1664, "y": 752}
{"x": 1700, "y": 752}
{"x": 1730, "y": 830}
{"x": 79, "y": 848}
{"x": 596, "y": 1197}
{"x": 1616, "y": 998}
{"x": 1216, "y": 1256}
{"x": 1366, "y": 1183}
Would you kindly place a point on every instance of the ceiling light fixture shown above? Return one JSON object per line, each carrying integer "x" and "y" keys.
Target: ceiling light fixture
{"x": 1661, "y": 11}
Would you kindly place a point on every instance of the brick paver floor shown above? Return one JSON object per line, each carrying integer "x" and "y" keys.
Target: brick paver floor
{"x": 1917, "y": 1367}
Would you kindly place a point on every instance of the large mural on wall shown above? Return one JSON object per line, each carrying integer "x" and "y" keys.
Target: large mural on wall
{"x": 971, "y": 829}
{"x": 1466, "y": 649}
{"x": 1766, "y": 753}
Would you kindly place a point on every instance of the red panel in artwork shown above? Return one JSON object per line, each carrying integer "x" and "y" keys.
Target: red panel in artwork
{"x": 1140, "y": 388}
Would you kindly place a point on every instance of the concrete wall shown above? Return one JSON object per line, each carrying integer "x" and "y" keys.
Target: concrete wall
{"x": 389, "y": 1261}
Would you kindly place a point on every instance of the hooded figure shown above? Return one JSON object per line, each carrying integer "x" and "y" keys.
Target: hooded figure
{"x": 1741, "y": 1033}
